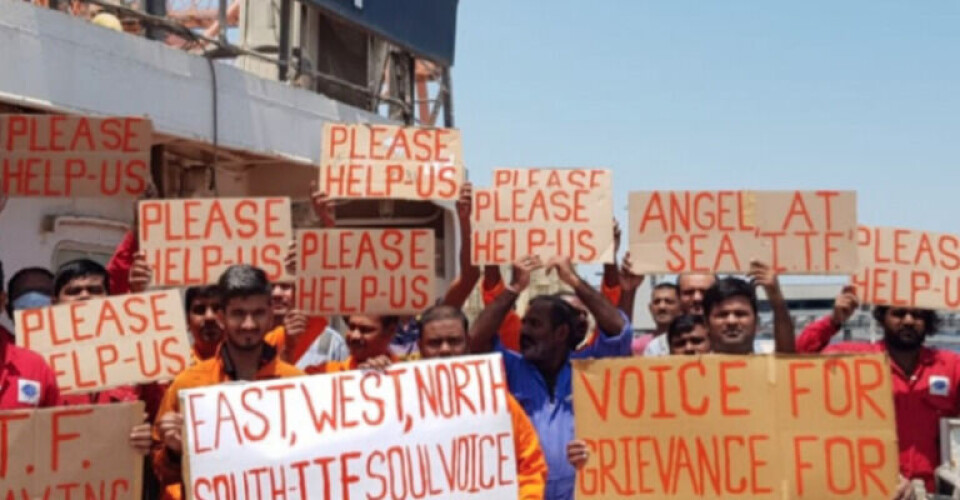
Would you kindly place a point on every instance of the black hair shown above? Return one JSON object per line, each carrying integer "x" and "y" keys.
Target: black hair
{"x": 663, "y": 285}
{"x": 385, "y": 321}
{"x": 240, "y": 281}
{"x": 14, "y": 289}
{"x": 684, "y": 323}
{"x": 79, "y": 268}
{"x": 666, "y": 285}
{"x": 728, "y": 288}
{"x": 562, "y": 313}
{"x": 441, "y": 312}
{"x": 200, "y": 292}
{"x": 931, "y": 320}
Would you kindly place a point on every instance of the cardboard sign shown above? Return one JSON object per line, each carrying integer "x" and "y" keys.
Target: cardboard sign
{"x": 383, "y": 161}
{"x": 191, "y": 242}
{"x": 736, "y": 427}
{"x": 74, "y": 156}
{"x": 795, "y": 232}
{"x": 374, "y": 271}
{"x": 96, "y": 344}
{"x": 908, "y": 268}
{"x": 358, "y": 434}
{"x": 70, "y": 452}
{"x": 545, "y": 212}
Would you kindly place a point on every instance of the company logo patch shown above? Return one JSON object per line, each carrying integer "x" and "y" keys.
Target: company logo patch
{"x": 28, "y": 392}
{"x": 939, "y": 385}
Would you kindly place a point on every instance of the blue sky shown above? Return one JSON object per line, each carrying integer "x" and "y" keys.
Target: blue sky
{"x": 678, "y": 94}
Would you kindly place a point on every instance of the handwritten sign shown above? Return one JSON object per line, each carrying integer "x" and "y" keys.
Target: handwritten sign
{"x": 736, "y": 426}
{"x": 70, "y": 452}
{"x": 383, "y": 161}
{"x": 191, "y": 242}
{"x": 908, "y": 268}
{"x": 100, "y": 343}
{"x": 399, "y": 434}
{"x": 545, "y": 212}
{"x": 375, "y": 271}
{"x": 795, "y": 232}
{"x": 74, "y": 156}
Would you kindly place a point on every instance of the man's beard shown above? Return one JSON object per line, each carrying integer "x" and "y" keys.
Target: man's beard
{"x": 905, "y": 339}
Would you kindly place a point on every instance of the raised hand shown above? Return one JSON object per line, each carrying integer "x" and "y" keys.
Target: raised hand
{"x": 845, "y": 305}
{"x": 628, "y": 280}
{"x": 564, "y": 270}
{"x": 465, "y": 203}
{"x": 141, "y": 274}
{"x": 323, "y": 206}
{"x": 522, "y": 268}
{"x": 762, "y": 275}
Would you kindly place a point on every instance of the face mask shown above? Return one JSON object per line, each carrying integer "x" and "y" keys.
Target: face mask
{"x": 32, "y": 300}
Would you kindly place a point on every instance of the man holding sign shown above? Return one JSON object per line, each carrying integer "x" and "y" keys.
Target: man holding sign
{"x": 82, "y": 280}
{"x": 540, "y": 375}
{"x": 926, "y": 381}
{"x": 443, "y": 334}
{"x": 246, "y": 318}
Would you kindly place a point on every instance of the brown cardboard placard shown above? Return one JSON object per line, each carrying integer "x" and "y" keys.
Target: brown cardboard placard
{"x": 191, "y": 242}
{"x": 386, "y": 161}
{"x": 74, "y": 156}
{"x": 374, "y": 271}
{"x": 908, "y": 268}
{"x": 795, "y": 232}
{"x": 544, "y": 212}
{"x": 96, "y": 344}
{"x": 68, "y": 452}
{"x": 736, "y": 427}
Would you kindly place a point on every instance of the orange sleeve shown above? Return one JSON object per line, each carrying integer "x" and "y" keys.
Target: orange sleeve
{"x": 287, "y": 370}
{"x": 510, "y": 331}
{"x": 331, "y": 367}
{"x": 510, "y": 328}
{"x": 166, "y": 466}
{"x": 172, "y": 492}
{"x": 276, "y": 337}
{"x": 531, "y": 464}
{"x": 491, "y": 293}
{"x": 612, "y": 293}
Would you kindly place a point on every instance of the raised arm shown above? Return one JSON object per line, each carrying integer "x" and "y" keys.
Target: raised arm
{"x": 763, "y": 275}
{"x": 491, "y": 279}
{"x": 608, "y": 317}
{"x": 611, "y": 275}
{"x": 816, "y": 335}
{"x": 323, "y": 206}
{"x": 629, "y": 283}
{"x": 466, "y": 281}
{"x": 485, "y": 328}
